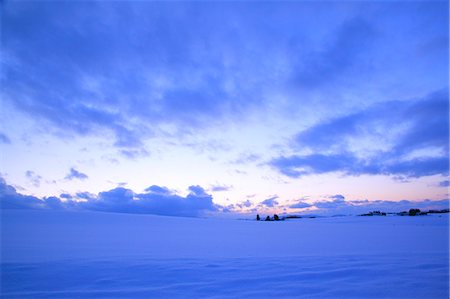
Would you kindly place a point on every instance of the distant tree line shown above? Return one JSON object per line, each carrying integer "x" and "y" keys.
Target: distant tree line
{"x": 274, "y": 218}
{"x": 411, "y": 212}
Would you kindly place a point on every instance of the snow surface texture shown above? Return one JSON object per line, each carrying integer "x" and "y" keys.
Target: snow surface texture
{"x": 52, "y": 254}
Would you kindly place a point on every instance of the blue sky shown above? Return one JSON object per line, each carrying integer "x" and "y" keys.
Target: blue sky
{"x": 225, "y": 106}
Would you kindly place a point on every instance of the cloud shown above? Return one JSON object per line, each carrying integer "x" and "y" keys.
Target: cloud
{"x": 270, "y": 202}
{"x": 332, "y": 205}
{"x": 338, "y": 197}
{"x": 422, "y": 123}
{"x": 198, "y": 191}
{"x": 196, "y": 203}
{"x": 134, "y": 153}
{"x": 85, "y": 195}
{"x": 131, "y": 83}
{"x": 65, "y": 196}
{"x": 244, "y": 204}
{"x": 355, "y": 207}
{"x": 34, "y": 178}
{"x": 345, "y": 52}
{"x": 418, "y": 148}
{"x": 247, "y": 203}
{"x": 75, "y": 174}
{"x": 130, "y": 87}
{"x": 4, "y": 138}
{"x": 157, "y": 190}
{"x": 219, "y": 188}
{"x": 444, "y": 183}
{"x": 297, "y": 166}
{"x": 300, "y": 205}
{"x": 246, "y": 158}
{"x": 10, "y": 199}
{"x": 161, "y": 201}
{"x": 155, "y": 200}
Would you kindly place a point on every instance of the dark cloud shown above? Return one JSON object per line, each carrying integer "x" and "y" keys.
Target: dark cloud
{"x": 77, "y": 70}
{"x": 55, "y": 203}
{"x": 4, "y": 138}
{"x": 422, "y": 124}
{"x": 134, "y": 153}
{"x": 444, "y": 183}
{"x": 195, "y": 203}
{"x": 161, "y": 201}
{"x": 354, "y": 207}
{"x": 198, "y": 191}
{"x": 300, "y": 205}
{"x": 332, "y": 205}
{"x": 270, "y": 202}
{"x": 75, "y": 174}
{"x": 85, "y": 196}
{"x": 65, "y": 196}
{"x": 338, "y": 197}
{"x": 118, "y": 200}
{"x": 246, "y": 158}
{"x": 352, "y": 39}
{"x": 156, "y": 200}
{"x": 158, "y": 190}
{"x": 297, "y": 166}
{"x": 33, "y": 177}
{"x": 425, "y": 121}
{"x": 245, "y": 204}
{"x": 162, "y": 70}
{"x": 10, "y": 199}
{"x": 219, "y": 188}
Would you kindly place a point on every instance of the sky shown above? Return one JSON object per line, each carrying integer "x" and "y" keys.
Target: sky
{"x": 190, "y": 108}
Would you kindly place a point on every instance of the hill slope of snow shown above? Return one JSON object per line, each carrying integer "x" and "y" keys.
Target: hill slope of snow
{"x": 55, "y": 254}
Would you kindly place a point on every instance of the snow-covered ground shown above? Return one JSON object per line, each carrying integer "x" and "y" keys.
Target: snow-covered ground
{"x": 60, "y": 254}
